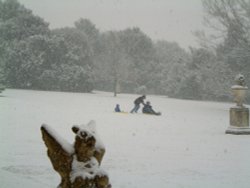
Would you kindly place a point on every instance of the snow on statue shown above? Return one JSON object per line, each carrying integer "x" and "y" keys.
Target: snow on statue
{"x": 77, "y": 164}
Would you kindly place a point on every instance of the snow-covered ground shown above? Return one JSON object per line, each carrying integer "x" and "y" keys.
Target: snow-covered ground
{"x": 186, "y": 147}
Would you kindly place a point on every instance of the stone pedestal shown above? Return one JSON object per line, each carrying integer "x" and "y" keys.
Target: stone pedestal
{"x": 239, "y": 121}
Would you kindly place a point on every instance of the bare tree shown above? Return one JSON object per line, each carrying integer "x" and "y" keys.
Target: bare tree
{"x": 231, "y": 19}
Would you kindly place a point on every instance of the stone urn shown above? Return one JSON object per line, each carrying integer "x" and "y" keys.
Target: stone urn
{"x": 239, "y": 114}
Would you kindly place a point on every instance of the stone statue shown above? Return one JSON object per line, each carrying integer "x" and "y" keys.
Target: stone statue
{"x": 77, "y": 164}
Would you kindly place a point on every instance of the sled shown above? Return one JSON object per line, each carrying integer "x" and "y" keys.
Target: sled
{"x": 122, "y": 112}
{"x": 156, "y": 114}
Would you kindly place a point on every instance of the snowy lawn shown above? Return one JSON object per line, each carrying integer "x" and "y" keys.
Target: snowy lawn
{"x": 186, "y": 147}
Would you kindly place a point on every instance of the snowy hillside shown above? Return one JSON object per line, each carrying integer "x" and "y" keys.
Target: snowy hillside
{"x": 186, "y": 147}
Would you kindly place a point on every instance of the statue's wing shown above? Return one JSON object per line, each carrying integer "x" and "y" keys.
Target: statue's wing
{"x": 59, "y": 151}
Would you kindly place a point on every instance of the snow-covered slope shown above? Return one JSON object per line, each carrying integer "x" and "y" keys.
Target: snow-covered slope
{"x": 185, "y": 147}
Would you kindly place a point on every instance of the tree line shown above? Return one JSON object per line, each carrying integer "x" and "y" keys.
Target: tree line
{"x": 82, "y": 58}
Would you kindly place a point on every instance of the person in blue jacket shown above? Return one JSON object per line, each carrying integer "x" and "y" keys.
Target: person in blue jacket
{"x": 117, "y": 108}
{"x": 147, "y": 109}
{"x": 137, "y": 102}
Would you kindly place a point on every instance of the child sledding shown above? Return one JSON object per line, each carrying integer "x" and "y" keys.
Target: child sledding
{"x": 118, "y": 110}
{"x": 147, "y": 108}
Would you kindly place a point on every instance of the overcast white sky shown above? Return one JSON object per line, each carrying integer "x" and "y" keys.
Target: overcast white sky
{"x": 172, "y": 20}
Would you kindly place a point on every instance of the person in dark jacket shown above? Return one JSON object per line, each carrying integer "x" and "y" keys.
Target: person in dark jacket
{"x": 147, "y": 109}
{"x": 137, "y": 102}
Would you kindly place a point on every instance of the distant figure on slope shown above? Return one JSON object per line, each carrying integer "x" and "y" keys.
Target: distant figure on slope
{"x": 147, "y": 109}
{"x": 117, "y": 108}
{"x": 137, "y": 103}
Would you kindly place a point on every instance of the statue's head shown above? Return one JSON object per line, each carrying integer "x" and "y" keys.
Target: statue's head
{"x": 85, "y": 141}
